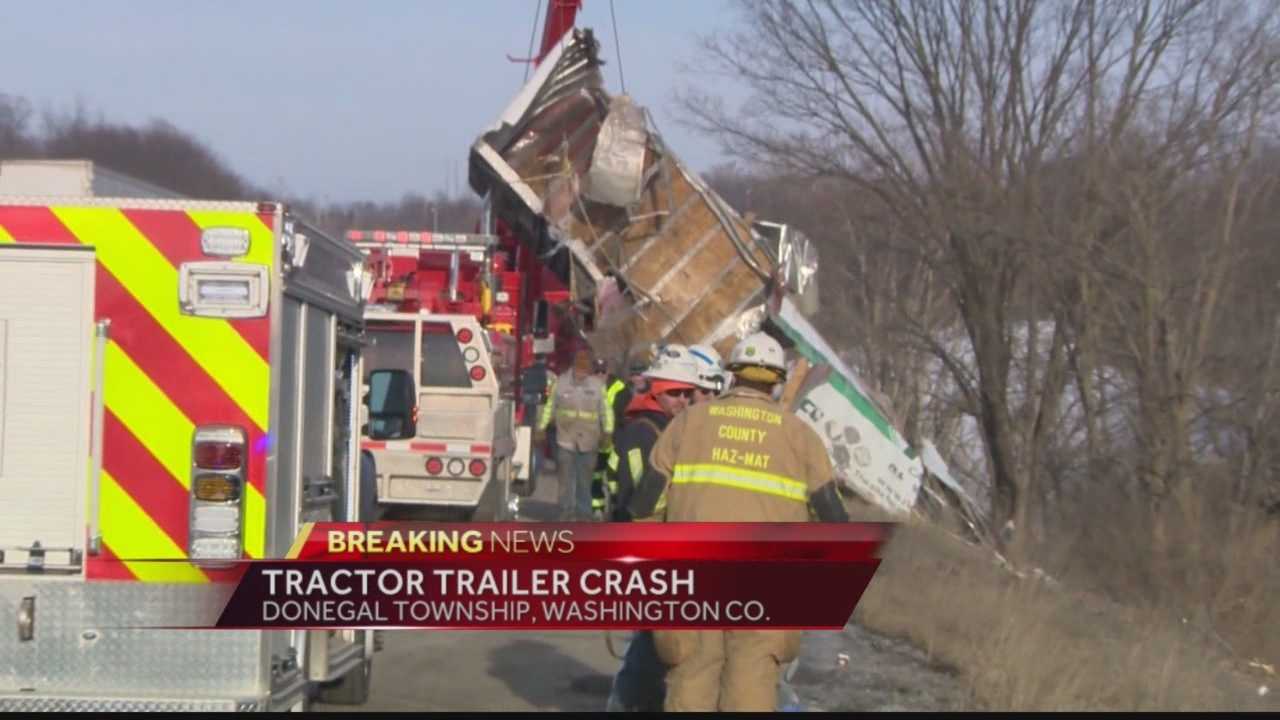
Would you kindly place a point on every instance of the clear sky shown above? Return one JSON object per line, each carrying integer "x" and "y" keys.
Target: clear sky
{"x": 333, "y": 100}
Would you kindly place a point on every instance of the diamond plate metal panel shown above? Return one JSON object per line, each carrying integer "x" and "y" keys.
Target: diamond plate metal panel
{"x": 68, "y": 703}
{"x": 83, "y": 643}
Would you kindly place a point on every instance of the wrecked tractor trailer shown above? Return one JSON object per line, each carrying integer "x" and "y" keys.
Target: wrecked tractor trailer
{"x": 650, "y": 254}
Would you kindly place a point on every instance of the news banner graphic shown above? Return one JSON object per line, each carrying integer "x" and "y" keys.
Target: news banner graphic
{"x": 558, "y": 576}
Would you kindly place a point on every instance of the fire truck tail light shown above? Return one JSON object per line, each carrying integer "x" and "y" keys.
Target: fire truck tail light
{"x": 477, "y": 467}
{"x": 435, "y": 466}
{"x": 216, "y": 519}
{"x": 215, "y": 531}
{"x": 218, "y": 470}
{"x": 224, "y": 241}
{"x": 465, "y": 336}
{"x": 456, "y": 466}
{"x": 216, "y": 548}
{"x": 213, "y": 455}
{"x": 216, "y": 488}
{"x": 471, "y": 355}
{"x": 223, "y": 289}
{"x": 477, "y": 373}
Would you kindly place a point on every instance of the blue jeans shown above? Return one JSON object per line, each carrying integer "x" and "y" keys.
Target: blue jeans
{"x": 575, "y": 470}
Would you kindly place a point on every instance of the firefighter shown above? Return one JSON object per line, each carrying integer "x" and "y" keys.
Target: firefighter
{"x": 623, "y": 390}
{"x": 739, "y": 458}
{"x": 672, "y": 385}
{"x": 618, "y": 393}
{"x": 583, "y": 424}
{"x": 599, "y": 494}
{"x": 711, "y": 375}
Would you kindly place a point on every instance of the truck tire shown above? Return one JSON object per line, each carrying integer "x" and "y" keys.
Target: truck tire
{"x": 368, "y": 488}
{"x": 351, "y": 689}
{"x": 526, "y": 488}
{"x": 493, "y": 502}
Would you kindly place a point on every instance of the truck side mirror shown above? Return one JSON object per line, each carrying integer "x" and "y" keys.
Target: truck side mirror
{"x": 392, "y": 405}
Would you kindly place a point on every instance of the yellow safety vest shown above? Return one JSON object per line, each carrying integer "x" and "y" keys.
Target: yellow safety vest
{"x": 576, "y": 408}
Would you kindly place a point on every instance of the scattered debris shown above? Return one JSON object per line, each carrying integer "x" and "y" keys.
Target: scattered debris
{"x": 1264, "y": 667}
{"x": 889, "y": 674}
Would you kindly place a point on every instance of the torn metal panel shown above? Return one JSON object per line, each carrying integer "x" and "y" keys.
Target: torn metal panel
{"x": 797, "y": 259}
{"x": 616, "y": 176}
{"x": 590, "y": 174}
{"x": 868, "y": 454}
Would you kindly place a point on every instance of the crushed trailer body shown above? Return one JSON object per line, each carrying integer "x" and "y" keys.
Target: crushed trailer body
{"x": 657, "y": 255}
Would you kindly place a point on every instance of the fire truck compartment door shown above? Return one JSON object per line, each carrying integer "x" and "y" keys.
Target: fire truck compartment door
{"x": 46, "y": 357}
{"x": 455, "y": 416}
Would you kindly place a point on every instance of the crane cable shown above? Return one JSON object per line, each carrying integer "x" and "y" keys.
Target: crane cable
{"x": 532, "y": 34}
{"x": 617, "y": 46}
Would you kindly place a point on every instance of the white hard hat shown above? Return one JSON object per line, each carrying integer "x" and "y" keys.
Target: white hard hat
{"x": 710, "y": 368}
{"x": 760, "y": 350}
{"x": 674, "y": 363}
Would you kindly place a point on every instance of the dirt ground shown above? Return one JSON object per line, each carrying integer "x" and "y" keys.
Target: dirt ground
{"x": 881, "y": 675}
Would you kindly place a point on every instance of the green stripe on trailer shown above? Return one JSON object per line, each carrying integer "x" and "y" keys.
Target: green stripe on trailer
{"x": 842, "y": 385}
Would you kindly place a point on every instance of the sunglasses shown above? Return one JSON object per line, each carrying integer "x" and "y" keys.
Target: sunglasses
{"x": 686, "y": 394}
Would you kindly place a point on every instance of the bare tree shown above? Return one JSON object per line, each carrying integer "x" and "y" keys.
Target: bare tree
{"x": 441, "y": 212}
{"x": 158, "y": 152}
{"x": 15, "y": 136}
{"x": 983, "y": 129}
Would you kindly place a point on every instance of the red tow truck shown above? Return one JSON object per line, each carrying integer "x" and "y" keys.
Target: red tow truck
{"x": 464, "y": 330}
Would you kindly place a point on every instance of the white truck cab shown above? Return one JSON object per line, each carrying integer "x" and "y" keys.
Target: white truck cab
{"x": 435, "y": 421}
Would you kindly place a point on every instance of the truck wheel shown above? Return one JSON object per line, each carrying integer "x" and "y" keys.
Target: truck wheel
{"x": 526, "y": 488}
{"x": 487, "y": 509}
{"x": 493, "y": 502}
{"x": 368, "y": 488}
{"x": 351, "y": 689}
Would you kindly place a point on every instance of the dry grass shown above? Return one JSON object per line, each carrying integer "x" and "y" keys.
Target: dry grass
{"x": 1110, "y": 635}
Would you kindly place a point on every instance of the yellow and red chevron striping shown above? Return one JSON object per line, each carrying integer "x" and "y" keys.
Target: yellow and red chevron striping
{"x": 182, "y": 243}
{"x": 145, "y": 479}
{"x": 132, "y": 532}
{"x": 134, "y": 260}
{"x": 165, "y": 364}
{"x": 106, "y": 566}
{"x": 165, "y": 374}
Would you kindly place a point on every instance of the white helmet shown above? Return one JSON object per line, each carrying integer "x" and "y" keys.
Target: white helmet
{"x": 710, "y": 368}
{"x": 674, "y": 363}
{"x": 760, "y": 350}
